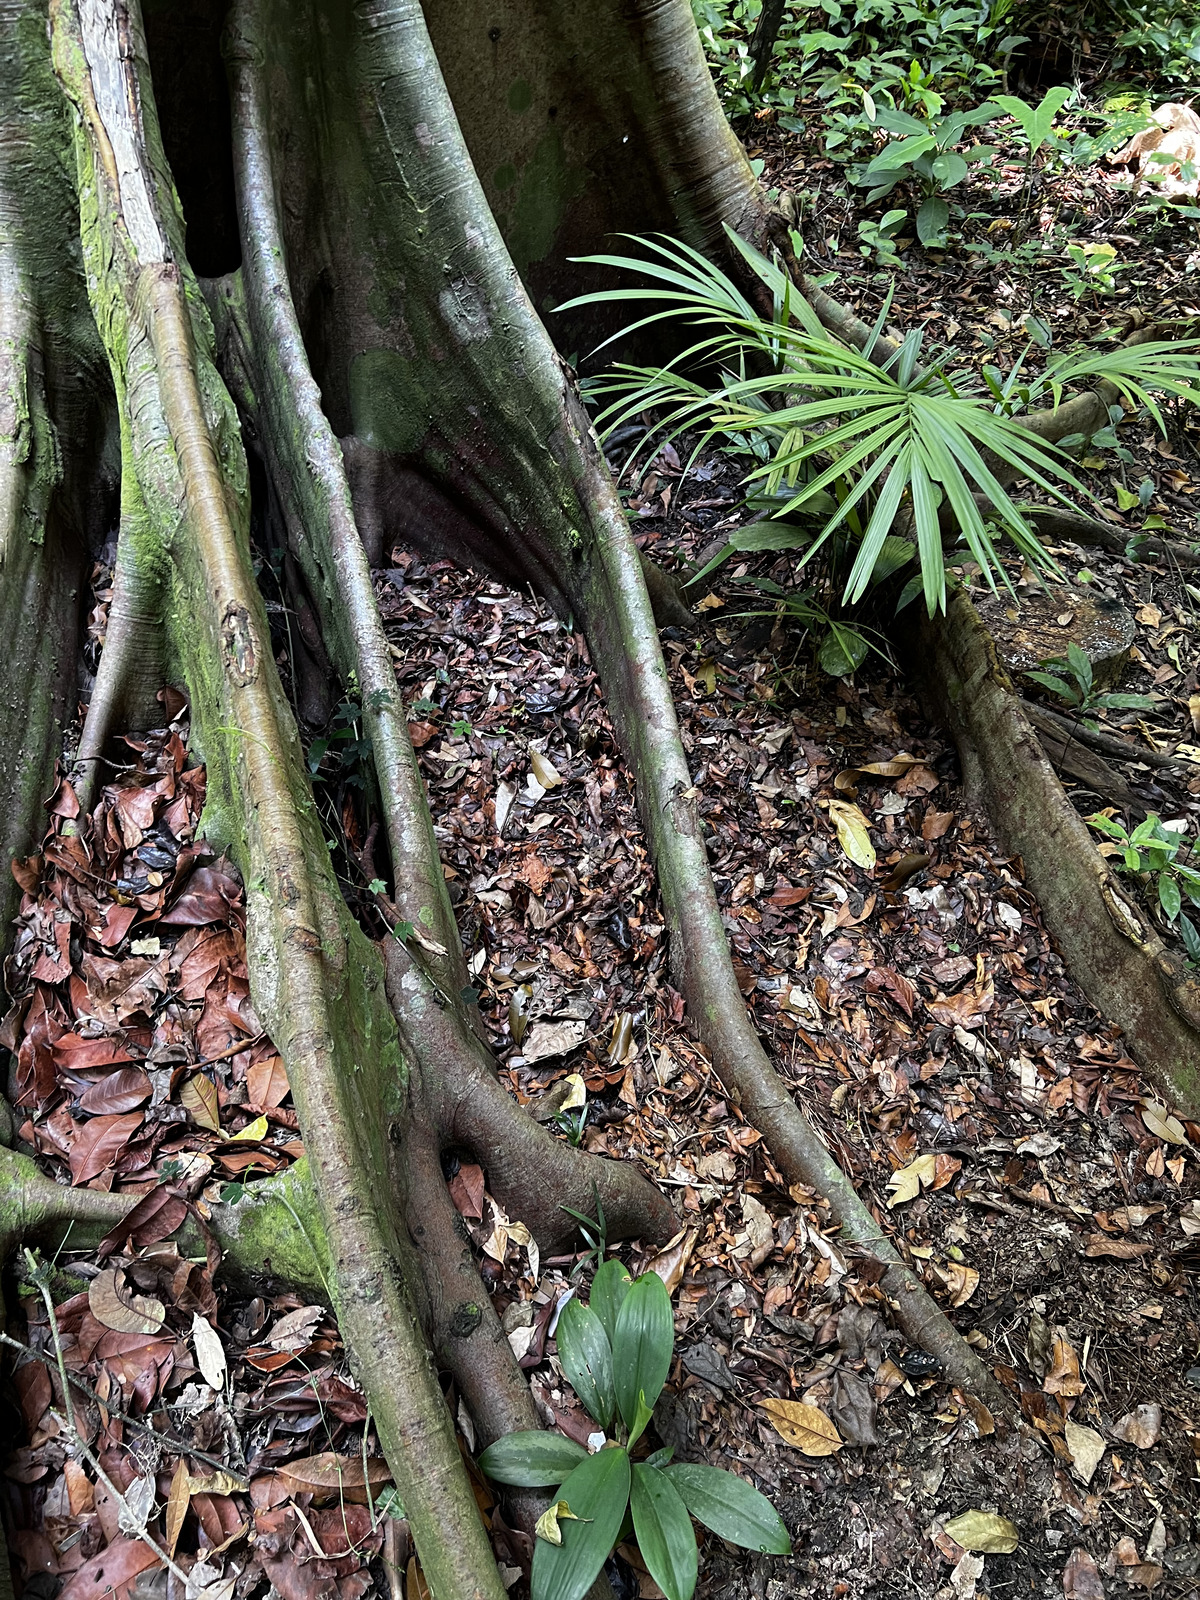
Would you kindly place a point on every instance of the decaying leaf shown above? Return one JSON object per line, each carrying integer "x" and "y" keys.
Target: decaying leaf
{"x": 1140, "y": 1427}
{"x": 547, "y": 1525}
{"x": 544, "y": 770}
{"x": 985, "y": 1532}
{"x": 210, "y": 1352}
{"x": 545, "y": 1040}
{"x": 671, "y": 1262}
{"x": 804, "y": 1426}
{"x": 1087, "y": 1449}
{"x": 1063, "y": 1376}
{"x": 115, "y": 1305}
{"x": 328, "y": 1476}
{"x": 1162, "y": 1124}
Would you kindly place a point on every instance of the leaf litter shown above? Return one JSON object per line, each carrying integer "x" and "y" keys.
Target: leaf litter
{"x": 911, "y": 996}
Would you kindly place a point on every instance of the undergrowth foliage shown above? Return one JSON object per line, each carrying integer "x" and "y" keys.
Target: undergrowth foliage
{"x": 616, "y": 1353}
{"x": 863, "y": 446}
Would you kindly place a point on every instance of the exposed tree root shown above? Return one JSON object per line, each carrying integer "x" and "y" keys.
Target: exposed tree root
{"x": 1108, "y": 744}
{"x": 57, "y": 462}
{"x": 1113, "y": 952}
{"x": 131, "y": 666}
{"x": 274, "y": 1234}
{"x": 1054, "y": 522}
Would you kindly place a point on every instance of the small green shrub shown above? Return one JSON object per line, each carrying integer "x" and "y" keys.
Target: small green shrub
{"x": 1079, "y": 694}
{"x": 616, "y": 1353}
{"x": 1154, "y": 853}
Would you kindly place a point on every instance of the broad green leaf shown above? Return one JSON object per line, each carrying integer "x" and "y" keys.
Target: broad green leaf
{"x": 664, "y": 1532}
{"x": 1169, "y": 897}
{"x": 586, "y": 1357}
{"x": 642, "y": 1346}
{"x": 609, "y": 1288}
{"x": 900, "y": 152}
{"x": 731, "y": 1507}
{"x": 843, "y": 650}
{"x": 597, "y": 1493}
{"x": 533, "y": 1459}
{"x": 949, "y": 168}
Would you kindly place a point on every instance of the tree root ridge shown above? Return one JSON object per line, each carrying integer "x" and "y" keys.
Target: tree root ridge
{"x": 1113, "y": 951}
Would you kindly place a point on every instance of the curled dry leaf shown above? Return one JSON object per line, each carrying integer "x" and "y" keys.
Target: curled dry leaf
{"x": 804, "y": 1426}
{"x": 545, "y": 1040}
{"x": 544, "y": 770}
{"x": 671, "y": 1262}
{"x": 114, "y": 1305}
{"x": 985, "y": 1532}
{"x": 1064, "y": 1376}
{"x": 846, "y": 781}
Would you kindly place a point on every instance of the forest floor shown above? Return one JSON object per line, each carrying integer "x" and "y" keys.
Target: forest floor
{"x": 1005, "y": 1140}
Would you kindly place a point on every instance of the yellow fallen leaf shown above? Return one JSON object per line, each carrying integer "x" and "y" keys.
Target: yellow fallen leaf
{"x": 578, "y": 1093}
{"x": 547, "y": 1525}
{"x": 985, "y": 1532}
{"x": 853, "y": 834}
{"x": 806, "y": 1427}
{"x": 907, "y": 1183}
{"x": 253, "y": 1131}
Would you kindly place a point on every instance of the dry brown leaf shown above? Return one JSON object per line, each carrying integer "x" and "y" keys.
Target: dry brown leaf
{"x": 1140, "y": 1427}
{"x": 328, "y": 1476}
{"x": 199, "y": 1098}
{"x": 1081, "y": 1578}
{"x": 804, "y": 1426}
{"x": 1162, "y": 1124}
{"x": 1087, "y": 1449}
{"x": 114, "y": 1305}
{"x": 178, "y": 1501}
{"x": 908, "y": 1182}
{"x": 1064, "y": 1376}
{"x": 671, "y": 1262}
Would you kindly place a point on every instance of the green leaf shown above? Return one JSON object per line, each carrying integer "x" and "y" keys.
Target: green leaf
{"x": 532, "y": 1460}
{"x": 641, "y": 1421}
{"x": 843, "y": 650}
{"x": 664, "y": 1533}
{"x": 899, "y": 153}
{"x": 1056, "y": 686}
{"x": 642, "y": 1344}
{"x": 609, "y": 1288}
{"x": 598, "y": 1490}
{"x": 1169, "y": 897}
{"x": 770, "y": 535}
{"x": 1080, "y": 666}
{"x": 932, "y": 219}
{"x": 1190, "y": 937}
{"x": 731, "y": 1507}
{"x": 586, "y": 1357}
{"x": 949, "y": 168}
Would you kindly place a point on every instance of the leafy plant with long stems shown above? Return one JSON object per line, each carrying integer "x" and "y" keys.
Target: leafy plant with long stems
{"x": 887, "y": 435}
{"x": 616, "y": 1353}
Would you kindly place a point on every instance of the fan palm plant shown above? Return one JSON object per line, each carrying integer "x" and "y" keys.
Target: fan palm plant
{"x": 870, "y": 440}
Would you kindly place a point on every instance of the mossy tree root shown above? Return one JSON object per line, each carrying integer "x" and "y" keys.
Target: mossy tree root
{"x": 1111, "y": 949}
{"x": 317, "y": 983}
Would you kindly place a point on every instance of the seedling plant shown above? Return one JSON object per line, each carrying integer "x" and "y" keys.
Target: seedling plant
{"x": 617, "y": 1353}
{"x": 1155, "y": 852}
{"x": 1070, "y": 678}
